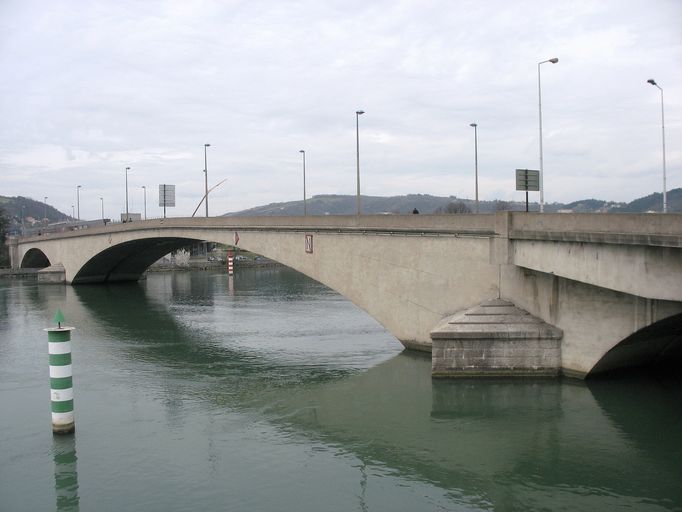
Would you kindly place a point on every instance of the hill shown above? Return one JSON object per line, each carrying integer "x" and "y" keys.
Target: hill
{"x": 345, "y": 205}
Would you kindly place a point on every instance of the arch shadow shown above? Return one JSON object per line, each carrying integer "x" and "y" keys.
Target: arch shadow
{"x": 35, "y": 258}
{"x": 658, "y": 346}
{"x": 129, "y": 260}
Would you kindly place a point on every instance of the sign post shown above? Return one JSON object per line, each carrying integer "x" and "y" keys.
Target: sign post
{"x": 166, "y": 197}
{"x": 527, "y": 180}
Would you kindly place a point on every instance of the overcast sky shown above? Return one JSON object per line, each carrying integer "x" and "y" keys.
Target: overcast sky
{"x": 91, "y": 87}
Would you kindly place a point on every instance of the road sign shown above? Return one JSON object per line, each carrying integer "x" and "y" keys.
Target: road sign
{"x": 528, "y": 180}
{"x": 166, "y": 195}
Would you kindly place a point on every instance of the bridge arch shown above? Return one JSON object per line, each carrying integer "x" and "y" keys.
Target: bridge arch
{"x": 656, "y": 345}
{"x": 35, "y": 258}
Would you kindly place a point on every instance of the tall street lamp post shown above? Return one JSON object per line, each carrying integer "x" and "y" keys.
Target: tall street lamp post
{"x": 305, "y": 209}
{"x": 665, "y": 193}
{"x": 45, "y": 204}
{"x": 144, "y": 188}
{"x": 127, "y": 214}
{"x": 78, "y": 201}
{"x": 553, "y": 60}
{"x": 475, "y": 127}
{"x": 101, "y": 200}
{"x": 358, "y": 113}
{"x": 206, "y": 178}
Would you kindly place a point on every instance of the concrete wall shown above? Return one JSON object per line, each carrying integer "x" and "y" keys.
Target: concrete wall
{"x": 650, "y": 272}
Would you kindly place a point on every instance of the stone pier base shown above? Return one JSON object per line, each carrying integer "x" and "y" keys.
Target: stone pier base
{"x": 53, "y": 274}
{"x": 495, "y": 339}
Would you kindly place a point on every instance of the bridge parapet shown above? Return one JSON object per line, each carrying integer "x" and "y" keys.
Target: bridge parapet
{"x": 622, "y": 229}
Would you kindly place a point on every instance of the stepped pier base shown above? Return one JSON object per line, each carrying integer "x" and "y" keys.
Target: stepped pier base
{"x": 495, "y": 339}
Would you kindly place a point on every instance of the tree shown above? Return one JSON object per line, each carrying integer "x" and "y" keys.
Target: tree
{"x": 501, "y": 206}
{"x": 454, "y": 207}
{"x": 4, "y": 251}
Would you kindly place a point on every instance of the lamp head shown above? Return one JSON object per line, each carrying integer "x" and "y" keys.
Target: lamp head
{"x": 473, "y": 125}
{"x": 301, "y": 151}
{"x": 554, "y": 60}
{"x": 651, "y": 81}
{"x": 79, "y": 186}
{"x": 127, "y": 169}
{"x": 207, "y": 145}
{"x": 359, "y": 112}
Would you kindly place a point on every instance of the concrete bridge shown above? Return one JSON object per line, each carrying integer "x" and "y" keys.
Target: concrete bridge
{"x": 592, "y": 292}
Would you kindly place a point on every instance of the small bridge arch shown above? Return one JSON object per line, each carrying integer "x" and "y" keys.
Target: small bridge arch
{"x": 35, "y": 258}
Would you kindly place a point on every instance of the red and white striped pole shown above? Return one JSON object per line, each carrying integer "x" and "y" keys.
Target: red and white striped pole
{"x": 230, "y": 263}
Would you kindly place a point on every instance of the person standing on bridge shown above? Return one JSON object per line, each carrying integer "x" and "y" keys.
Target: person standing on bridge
{"x": 415, "y": 211}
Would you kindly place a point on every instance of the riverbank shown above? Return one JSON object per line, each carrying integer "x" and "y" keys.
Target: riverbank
{"x": 32, "y": 273}
{"x": 212, "y": 265}
{"x": 10, "y": 273}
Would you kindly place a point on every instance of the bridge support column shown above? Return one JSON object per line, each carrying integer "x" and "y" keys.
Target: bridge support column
{"x": 495, "y": 339}
{"x": 13, "y": 245}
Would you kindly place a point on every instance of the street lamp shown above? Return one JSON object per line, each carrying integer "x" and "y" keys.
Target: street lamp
{"x": 475, "y": 127}
{"x": 73, "y": 213}
{"x": 45, "y": 204}
{"x": 553, "y": 60}
{"x": 358, "y": 113}
{"x": 127, "y": 214}
{"x": 206, "y": 178}
{"x": 78, "y": 201}
{"x": 665, "y": 193}
{"x": 144, "y": 188}
{"x": 101, "y": 199}
{"x": 305, "y": 210}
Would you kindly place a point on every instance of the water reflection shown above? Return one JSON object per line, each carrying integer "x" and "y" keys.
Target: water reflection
{"x": 501, "y": 444}
{"x": 65, "y": 473}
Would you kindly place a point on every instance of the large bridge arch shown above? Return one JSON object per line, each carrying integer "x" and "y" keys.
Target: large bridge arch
{"x": 406, "y": 277}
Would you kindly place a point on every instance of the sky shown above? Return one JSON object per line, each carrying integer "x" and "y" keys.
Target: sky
{"x": 90, "y": 88}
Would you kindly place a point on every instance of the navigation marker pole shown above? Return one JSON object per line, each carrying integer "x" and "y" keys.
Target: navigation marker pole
{"x": 61, "y": 377}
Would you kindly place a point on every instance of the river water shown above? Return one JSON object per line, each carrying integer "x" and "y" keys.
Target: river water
{"x": 273, "y": 393}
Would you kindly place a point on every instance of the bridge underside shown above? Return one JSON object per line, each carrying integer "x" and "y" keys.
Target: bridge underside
{"x": 127, "y": 261}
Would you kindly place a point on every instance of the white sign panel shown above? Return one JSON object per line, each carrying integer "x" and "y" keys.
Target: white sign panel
{"x": 166, "y": 195}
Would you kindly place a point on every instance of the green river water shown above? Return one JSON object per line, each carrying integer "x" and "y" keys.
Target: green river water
{"x": 273, "y": 393}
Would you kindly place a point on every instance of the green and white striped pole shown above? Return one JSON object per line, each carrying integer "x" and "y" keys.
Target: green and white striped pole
{"x": 61, "y": 380}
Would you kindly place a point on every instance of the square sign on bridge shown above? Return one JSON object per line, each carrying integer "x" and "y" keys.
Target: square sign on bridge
{"x": 527, "y": 180}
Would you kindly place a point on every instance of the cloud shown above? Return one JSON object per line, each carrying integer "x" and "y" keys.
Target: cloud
{"x": 103, "y": 86}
